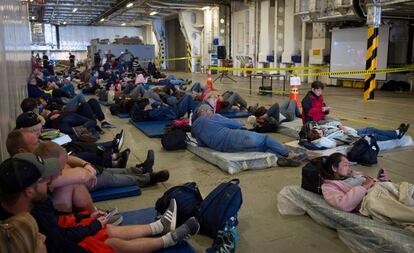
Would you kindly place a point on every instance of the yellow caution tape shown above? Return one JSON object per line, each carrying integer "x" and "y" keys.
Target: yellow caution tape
{"x": 267, "y": 69}
{"x": 175, "y": 59}
{"x": 359, "y": 72}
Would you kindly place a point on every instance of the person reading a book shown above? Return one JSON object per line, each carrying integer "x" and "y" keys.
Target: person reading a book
{"x": 324, "y": 135}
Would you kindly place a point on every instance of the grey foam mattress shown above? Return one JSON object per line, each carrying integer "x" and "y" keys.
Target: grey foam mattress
{"x": 233, "y": 162}
{"x": 359, "y": 233}
{"x": 291, "y": 128}
{"x": 405, "y": 141}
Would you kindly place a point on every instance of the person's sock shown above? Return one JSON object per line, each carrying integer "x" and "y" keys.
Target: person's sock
{"x": 156, "y": 227}
{"x": 168, "y": 240}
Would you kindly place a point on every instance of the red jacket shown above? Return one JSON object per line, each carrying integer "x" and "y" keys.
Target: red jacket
{"x": 312, "y": 108}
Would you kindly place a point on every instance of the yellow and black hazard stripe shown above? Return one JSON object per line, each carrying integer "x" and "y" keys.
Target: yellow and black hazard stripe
{"x": 189, "y": 55}
{"x": 371, "y": 62}
{"x": 162, "y": 52}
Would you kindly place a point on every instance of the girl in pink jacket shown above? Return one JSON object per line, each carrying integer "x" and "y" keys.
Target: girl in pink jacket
{"x": 343, "y": 188}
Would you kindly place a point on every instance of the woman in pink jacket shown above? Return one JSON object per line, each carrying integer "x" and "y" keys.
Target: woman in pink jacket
{"x": 343, "y": 188}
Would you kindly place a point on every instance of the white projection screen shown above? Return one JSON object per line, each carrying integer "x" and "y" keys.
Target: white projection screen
{"x": 348, "y": 51}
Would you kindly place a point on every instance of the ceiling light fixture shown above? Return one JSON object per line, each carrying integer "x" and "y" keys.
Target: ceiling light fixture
{"x": 123, "y": 24}
{"x": 75, "y": 9}
{"x": 33, "y": 18}
{"x": 129, "y": 5}
{"x": 102, "y": 19}
{"x": 64, "y": 22}
{"x": 153, "y": 13}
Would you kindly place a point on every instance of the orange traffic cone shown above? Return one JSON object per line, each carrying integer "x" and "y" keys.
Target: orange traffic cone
{"x": 294, "y": 95}
{"x": 210, "y": 81}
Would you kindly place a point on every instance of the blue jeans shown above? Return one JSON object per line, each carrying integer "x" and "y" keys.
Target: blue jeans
{"x": 264, "y": 143}
{"x": 91, "y": 110}
{"x": 186, "y": 105}
{"x": 380, "y": 135}
{"x": 72, "y": 104}
{"x": 196, "y": 87}
{"x": 68, "y": 120}
{"x": 69, "y": 89}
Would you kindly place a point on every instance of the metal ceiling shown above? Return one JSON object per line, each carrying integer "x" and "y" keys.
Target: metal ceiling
{"x": 109, "y": 12}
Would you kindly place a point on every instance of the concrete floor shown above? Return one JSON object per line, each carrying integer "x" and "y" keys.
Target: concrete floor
{"x": 262, "y": 228}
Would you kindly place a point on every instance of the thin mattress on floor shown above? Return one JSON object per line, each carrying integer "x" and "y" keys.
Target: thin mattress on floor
{"x": 359, "y": 233}
{"x": 291, "y": 128}
{"x": 405, "y": 141}
{"x": 233, "y": 162}
{"x": 115, "y": 193}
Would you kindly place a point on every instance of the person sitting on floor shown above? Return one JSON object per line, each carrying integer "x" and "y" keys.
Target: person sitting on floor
{"x": 226, "y": 135}
{"x": 323, "y": 136}
{"x": 379, "y": 198}
{"x": 268, "y": 120}
{"x": 23, "y": 186}
{"x": 313, "y": 105}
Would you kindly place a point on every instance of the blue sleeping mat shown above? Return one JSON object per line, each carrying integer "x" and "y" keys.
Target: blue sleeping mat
{"x": 152, "y": 129}
{"x": 236, "y": 114}
{"x": 115, "y": 193}
{"x": 148, "y": 215}
{"x": 123, "y": 115}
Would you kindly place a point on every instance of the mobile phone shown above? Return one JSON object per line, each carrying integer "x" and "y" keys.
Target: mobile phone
{"x": 111, "y": 213}
{"x": 380, "y": 172}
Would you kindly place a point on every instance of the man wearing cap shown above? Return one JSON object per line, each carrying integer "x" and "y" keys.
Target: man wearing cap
{"x": 23, "y": 182}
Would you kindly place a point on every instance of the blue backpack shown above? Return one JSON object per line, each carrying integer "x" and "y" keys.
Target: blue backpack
{"x": 221, "y": 204}
{"x": 188, "y": 199}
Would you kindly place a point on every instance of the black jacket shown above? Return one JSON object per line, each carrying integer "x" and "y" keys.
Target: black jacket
{"x": 61, "y": 240}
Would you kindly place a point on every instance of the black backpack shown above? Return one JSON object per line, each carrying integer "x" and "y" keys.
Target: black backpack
{"x": 364, "y": 151}
{"x": 188, "y": 199}
{"x": 311, "y": 174}
{"x": 174, "y": 139}
{"x": 217, "y": 208}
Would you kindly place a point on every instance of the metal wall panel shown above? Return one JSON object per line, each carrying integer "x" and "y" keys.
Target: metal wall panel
{"x": 15, "y": 64}
{"x": 79, "y": 37}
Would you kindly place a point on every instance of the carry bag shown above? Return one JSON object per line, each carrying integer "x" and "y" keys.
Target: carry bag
{"x": 311, "y": 174}
{"x": 217, "y": 208}
{"x": 174, "y": 139}
{"x": 188, "y": 199}
{"x": 364, "y": 151}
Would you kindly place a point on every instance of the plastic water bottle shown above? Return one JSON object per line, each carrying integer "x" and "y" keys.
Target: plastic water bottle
{"x": 111, "y": 94}
{"x": 226, "y": 240}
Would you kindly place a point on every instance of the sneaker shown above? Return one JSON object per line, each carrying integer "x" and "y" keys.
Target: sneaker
{"x": 286, "y": 162}
{"x": 403, "y": 129}
{"x": 148, "y": 163}
{"x": 183, "y": 232}
{"x": 115, "y": 220}
{"x": 158, "y": 177}
{"x": 118, "y": 141}
{"x": 123, "y": 160}
{"x": 105, "y": 124}
{"x": 169, "y": 218}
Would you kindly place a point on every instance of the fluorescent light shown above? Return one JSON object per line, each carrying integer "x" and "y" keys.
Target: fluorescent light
{"x": 31, "y": 0}
{"x": 102, "y": 19}
{"x": 33, "y": 18}
{"x": 205, "y": 8}
{"x": 129, "y": 5}
{"x": 153, "y": 13}
{"x": 64, "y": 22}
{"x": 75, "y": 9}
{"x": 123, "y": 24}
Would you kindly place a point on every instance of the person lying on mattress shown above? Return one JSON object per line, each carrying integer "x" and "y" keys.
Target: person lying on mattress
{"x": 324, "y": 135}
{"x": 224, "y": 102}
{"x": 268, "y": 120}
{"x": 379, "y": 198}
{"x": 155, "y": 110}
{"x": 226, "y": 135}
